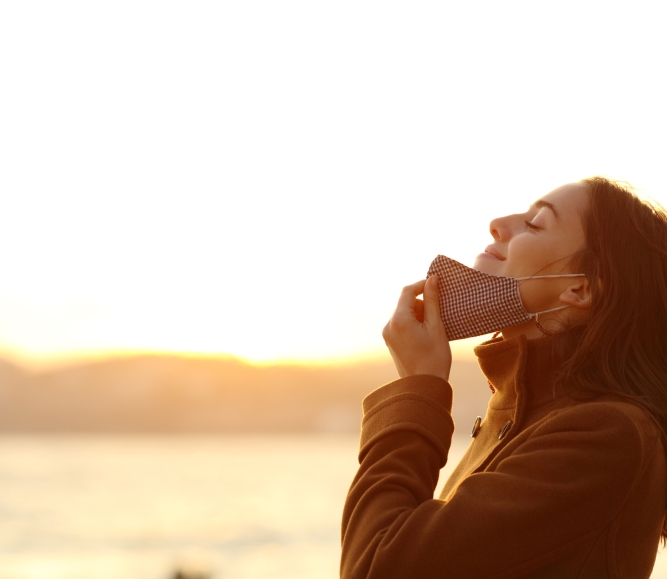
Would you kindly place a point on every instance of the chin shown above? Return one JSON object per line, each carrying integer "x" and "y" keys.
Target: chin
{"x": 488, "y": 264}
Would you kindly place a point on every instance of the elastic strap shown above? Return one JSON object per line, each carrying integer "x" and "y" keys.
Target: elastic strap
{"x": 553, "y": 275}
{"x": 547, "y": 311}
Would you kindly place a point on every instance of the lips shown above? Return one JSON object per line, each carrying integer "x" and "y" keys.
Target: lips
{"x": 492, "y": 251}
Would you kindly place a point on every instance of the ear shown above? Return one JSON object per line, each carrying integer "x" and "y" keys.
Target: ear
{"x": 577, "y": 295}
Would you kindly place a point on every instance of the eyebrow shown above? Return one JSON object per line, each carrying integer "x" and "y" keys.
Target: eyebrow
{"x": 540, "y": 203}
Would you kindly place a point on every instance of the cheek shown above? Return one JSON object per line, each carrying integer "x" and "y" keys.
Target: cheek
{"x": 524, "y": 251}
{"x": 531, "y": 255}
{"x": 534, "y": 297}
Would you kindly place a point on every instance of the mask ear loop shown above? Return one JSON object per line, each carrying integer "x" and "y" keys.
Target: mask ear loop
{"x": 542, "y": 329}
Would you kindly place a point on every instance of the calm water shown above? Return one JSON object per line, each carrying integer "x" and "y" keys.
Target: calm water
{"x": 138, "y": 507}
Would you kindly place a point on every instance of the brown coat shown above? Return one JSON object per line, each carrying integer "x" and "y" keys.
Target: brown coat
{"x": 573, "y": 489}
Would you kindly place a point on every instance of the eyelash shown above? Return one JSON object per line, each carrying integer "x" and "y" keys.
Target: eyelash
{"x": 531, "y": 226}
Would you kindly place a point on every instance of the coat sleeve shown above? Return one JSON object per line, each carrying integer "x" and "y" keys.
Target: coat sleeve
{"x": 560, "y": 486}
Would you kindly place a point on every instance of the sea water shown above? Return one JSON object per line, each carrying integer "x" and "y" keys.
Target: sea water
{"x": 232, "y": 507}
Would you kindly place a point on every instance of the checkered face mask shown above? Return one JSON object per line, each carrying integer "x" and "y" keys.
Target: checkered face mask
{"x": 473, "y": 303}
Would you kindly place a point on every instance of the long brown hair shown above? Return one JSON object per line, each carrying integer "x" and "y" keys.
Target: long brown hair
{"x": 622, "y": 349}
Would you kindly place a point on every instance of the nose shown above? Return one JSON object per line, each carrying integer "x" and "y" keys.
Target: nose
{"x": 501, "y": 228}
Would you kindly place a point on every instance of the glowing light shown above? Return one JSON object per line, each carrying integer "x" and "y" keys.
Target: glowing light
{"x": 262, "y": 179}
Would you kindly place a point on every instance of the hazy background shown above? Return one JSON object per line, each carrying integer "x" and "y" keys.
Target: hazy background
{"x": 261, "y": 178}
{"x": 177, "y": 395}
{"x": 208, "y": 212}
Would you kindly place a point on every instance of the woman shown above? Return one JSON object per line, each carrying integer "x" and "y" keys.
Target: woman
{"x": 566, "y": 476}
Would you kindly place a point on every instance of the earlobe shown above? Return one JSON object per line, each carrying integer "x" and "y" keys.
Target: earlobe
{"x": 577, "y": 295}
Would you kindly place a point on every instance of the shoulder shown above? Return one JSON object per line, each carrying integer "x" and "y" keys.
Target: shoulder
{"x": 606, "y": 423}
{"x": 588, "y": 446}
{"x": 609, "y": 412}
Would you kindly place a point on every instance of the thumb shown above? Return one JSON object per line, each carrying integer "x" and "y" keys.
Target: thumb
{"x": 431, "y": 301}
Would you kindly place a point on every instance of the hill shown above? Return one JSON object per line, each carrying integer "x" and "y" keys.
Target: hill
{"x": 172, "y": 394}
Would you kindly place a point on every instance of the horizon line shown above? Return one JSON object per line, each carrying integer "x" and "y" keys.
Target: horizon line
{"x": 49, "y": 361}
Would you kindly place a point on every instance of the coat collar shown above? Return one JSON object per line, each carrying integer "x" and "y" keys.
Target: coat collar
{"x": 522, "y": 372}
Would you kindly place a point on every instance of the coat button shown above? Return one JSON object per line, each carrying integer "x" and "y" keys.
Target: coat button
{"x": 504, "y": 430}
{"x": 476, "y": 426}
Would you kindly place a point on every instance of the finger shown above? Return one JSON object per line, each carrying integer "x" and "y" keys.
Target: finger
{"x": 432, "y": 301}
{"x": 419, "y": 310}
{"x": 406, "y": 302}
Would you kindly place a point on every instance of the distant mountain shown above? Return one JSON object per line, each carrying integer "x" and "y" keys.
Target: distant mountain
{"x": 172, "y": 394}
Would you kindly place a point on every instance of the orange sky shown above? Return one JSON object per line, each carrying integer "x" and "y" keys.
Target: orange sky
{"x": 261, "y": 178}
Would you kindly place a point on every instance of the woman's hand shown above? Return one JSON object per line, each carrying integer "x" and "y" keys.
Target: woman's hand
{"x": 415, "y": 334}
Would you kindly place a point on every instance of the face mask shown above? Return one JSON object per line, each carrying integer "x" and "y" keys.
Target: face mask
{"x": 473, "y": 303}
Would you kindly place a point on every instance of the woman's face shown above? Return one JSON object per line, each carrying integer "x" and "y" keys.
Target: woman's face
{"x": 540, "y": 241}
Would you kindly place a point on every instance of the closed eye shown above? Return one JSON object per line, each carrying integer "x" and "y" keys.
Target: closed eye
{"x": 531, "y": 226}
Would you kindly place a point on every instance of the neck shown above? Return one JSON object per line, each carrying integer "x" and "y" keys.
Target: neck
{"x": 552, "y": 322}
{"x": 528, "y": 329}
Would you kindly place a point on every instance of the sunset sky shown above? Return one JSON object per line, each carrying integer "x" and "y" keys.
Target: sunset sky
{"x": 261, "y": 178}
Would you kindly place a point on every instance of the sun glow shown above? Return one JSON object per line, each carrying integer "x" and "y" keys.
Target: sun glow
{"x": 261, "y": 180}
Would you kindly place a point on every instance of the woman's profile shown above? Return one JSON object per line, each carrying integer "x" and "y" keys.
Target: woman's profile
{"x": 566, "y": 475}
